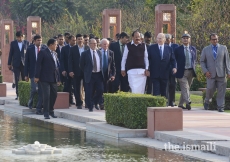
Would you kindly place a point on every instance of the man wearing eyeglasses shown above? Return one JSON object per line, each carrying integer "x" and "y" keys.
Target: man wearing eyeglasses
{"x": 214, "y": 62}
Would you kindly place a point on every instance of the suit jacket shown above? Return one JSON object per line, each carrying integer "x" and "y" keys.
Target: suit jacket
{"x": 219, "y": 66}
{"x": 15, "y": 55}
{"x": 58, "y": 52}
{"x": 46, "y": 69}
{"x": 161, "y": 68}
{"x": 74, "y": 60}
{"x": 180, "y": 59}
{"x": 86, "y": 64}
{"x": 30, "y": 62}
{"x": 115, "y": 47}
{"x": 64, "y": 58}
{"x": 174, "y": 46}
{"x": 111, "y": 70}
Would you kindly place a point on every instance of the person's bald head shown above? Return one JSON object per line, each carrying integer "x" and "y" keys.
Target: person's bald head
{"x": 93, "y": 44}
{"x": 161, "y": 38}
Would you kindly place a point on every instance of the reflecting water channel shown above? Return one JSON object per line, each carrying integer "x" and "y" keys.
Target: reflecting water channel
{"x": 76, "y": 145}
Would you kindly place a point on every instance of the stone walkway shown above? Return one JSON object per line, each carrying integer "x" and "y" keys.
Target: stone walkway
{"x": 196, "y": 121}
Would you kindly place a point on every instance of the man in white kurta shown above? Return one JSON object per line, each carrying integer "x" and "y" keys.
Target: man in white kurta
{"x": 135, "y": 62}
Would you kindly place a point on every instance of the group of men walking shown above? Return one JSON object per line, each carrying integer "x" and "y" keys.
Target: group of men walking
{"x": 137, "y": 66}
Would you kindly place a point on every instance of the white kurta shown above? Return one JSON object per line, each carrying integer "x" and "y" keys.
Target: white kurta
{"x": 136, "y": 77}
{"x": 137, "y": 80}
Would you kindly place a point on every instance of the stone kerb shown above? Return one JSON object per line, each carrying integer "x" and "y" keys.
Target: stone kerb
{"x": 62, "y": 101}
{"x": 164, "y": 119}
{"x": 2, "y": 90}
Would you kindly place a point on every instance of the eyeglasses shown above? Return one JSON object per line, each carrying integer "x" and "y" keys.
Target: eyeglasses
{"x": 214, "y": 39}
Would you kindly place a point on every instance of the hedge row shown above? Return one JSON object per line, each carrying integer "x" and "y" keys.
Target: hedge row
{"x": 130, "y": 110}
{"x": 213, "y": 104}
{"x": 0, "y": 78}
{"x": 24, "y": 93}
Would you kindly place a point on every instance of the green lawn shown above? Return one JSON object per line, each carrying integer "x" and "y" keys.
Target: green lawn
{"x": 197, "y": 100}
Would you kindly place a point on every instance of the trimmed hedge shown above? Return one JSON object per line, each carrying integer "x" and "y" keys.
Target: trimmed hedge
{"x": 1, "y": 79}
{"x": 213, "y": 104}
{"x": 24, "y": 93}
{"x": 130, "y": 110}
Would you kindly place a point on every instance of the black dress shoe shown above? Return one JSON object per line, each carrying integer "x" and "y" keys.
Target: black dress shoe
{"x": 206, "y": 106}
{"x": 90, "y": 110}
{"x": 86, "y": 106}
{"x": 30, "y": 107}
{"x": 221, "y": 109}
{"x": 16, "y": 98}
{"x": 79, "y": 107}
{"x": 96, "y": 106}
{"x": 39, "y": 113}
{"x": 171, "y": 104}
{"x": 53, "y": 116}
{"x": 13, "y": 85}
{"x": 101, "y": 106}
{"x": 72, "y": 103}
{"x": 46, "y": 117}
{"x": 182, "y": 107}
{"x": 188, "y": 106}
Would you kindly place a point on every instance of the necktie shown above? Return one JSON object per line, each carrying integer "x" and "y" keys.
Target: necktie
{"x": 38, "y": 49}
{"x": 214, "y": 51}
{"x": 161, "y": 52}
{"x": 105, "y": 62}
{"x": 122, "y": 50}
{"x": 187, "y": 65}
{"x": 94, "y": 62}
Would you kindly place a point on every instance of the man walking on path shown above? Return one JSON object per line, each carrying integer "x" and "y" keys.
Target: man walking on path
{"x": 215, "y": 65}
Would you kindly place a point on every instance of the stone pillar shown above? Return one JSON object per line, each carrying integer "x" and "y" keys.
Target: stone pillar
{"x": 7, "y": 36}
{"x": 165, "y": 16}
{"x": 111, "y": 17}
{"x": 33, "y": 26}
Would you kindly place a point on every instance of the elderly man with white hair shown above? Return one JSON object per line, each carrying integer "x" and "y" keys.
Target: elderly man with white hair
{"x": 162, "y": 60}
{"x": 108, "y": 66}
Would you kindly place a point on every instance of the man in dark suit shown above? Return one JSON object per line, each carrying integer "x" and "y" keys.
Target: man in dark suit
{"x": 161, "y": 57}
{"x": 74, "y": 69}
{"x": 86, "y": 39}
{"x": 148, "y": 39}
{"x": 16, "y": 58}
{"x": 30, "y": 62}
{"x": 60, "y": 40}
{"x": 91, "y": 65}
{"x": 118, "y": 49}
{"x": 47, "y": 75}
{"x": 109, "y": 69}
{"x": 64, "y": 67}
{"x": 171, "y": 86}
{"x": 186, "y": 61}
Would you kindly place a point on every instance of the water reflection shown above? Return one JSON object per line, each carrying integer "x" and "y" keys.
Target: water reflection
{"x": 76, "y": 145}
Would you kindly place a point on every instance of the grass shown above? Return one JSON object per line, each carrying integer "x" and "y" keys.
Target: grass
{"x": 197, "y": 100}
{"x": 227, "y": 111}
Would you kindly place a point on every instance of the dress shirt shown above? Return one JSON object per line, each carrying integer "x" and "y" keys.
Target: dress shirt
{"x": 60, "y": 47}
{"x": 170, "y": 44}
{"x": 81, "y": 49}
{"x": 190, "y": 56}
{"x": 36, "y": 51}
{"x": 125, "y": 55}
{"x": 97, "y": 59}
{"x": 162, "y": 48}
{"x": 54, "y": 57}
{"x": 20, "y": 45}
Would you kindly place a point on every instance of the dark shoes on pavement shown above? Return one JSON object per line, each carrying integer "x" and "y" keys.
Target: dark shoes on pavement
{"x": 79, "y": 107}
{"x": 13, "y": 85}
{"x": 206, "y": 105}
{"x": 39, "y": 113}
{"x": 188, "y": 106}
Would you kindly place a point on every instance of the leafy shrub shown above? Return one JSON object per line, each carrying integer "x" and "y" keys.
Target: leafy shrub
{"x": 130, "y": 110}
{"x": 1, "y": 79}
{"x": 24, "y": 93}
{"x": 213, "y": 104}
